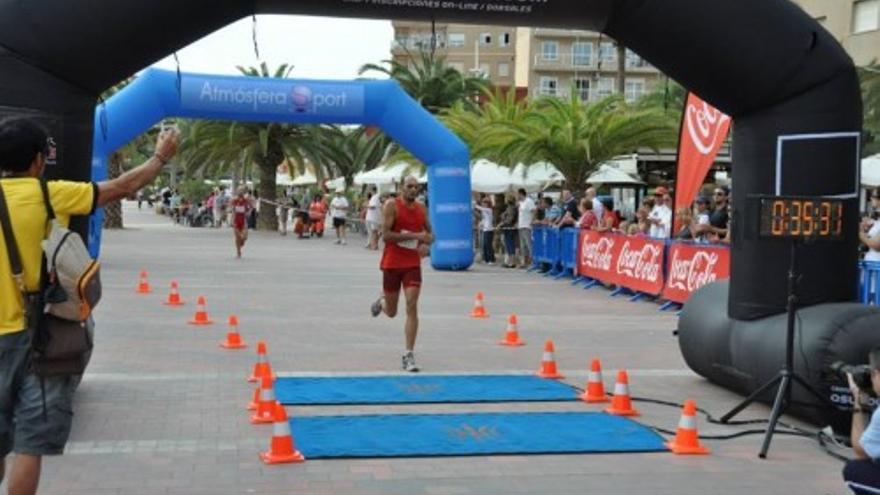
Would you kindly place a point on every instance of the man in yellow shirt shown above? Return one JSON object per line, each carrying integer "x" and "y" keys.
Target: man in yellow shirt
{"x": 23, "y": 427}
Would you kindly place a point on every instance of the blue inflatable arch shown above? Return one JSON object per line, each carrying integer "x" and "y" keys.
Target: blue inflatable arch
{"x": 159, "y": 94}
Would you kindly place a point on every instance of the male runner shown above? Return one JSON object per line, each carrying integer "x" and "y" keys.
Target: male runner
{"x": 407, "y": 235}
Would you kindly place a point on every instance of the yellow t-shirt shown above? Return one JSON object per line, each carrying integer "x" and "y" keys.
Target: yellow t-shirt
{"x": 28, "y": 214}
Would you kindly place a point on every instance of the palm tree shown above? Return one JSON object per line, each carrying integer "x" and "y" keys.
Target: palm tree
{"x": 576, "y": 137}
{"x": 471, "y": 124}
{"x": 345, "y": 152}
{"x": 431, "y": 82}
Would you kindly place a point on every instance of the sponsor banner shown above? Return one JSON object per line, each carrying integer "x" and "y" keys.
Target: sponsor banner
{"x": 703, "y": 130}
{"x": 692, "y": 266}
{"x": 628, "y": 261}
{"x": 273, "y": 97}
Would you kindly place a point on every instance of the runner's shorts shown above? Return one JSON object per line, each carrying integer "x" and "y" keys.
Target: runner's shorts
{"x": 394, "y": 278}
{"x": 338, "y": 222}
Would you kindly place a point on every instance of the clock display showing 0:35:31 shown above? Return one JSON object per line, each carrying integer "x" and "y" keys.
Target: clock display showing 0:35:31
{"x": 801, "y": 218}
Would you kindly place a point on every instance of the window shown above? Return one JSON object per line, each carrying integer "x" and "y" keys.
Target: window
{"x": 456, "y": 40}
{"x": 504, "y": 40}
{"x": 457, "y": 66}
{"x": 503, "y": 69}
{"x": 581, "y": 54}
{"x": 550, "y": 50}
{"x": 634, "y": 61}
{"x": 485, "y": 69}
{"x": 608, "y": 53}
{"x": 548, "y": 87}
{"x": 605, "y": 88}
{"x": 485, "y": 39}
{"x": 635, "y": 88}
{"x": 582, "y": 87}
{"x": 866, "y": 16}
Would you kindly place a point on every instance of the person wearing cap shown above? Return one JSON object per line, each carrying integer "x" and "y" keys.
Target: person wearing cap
{"x": 338, "y": 210}
{"x": 36, "y": 412}
{"x": 660, "y": 217}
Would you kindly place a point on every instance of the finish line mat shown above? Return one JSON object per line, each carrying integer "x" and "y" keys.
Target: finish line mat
{"x": 414, "y": 435}
{"x": 419, "y": 389}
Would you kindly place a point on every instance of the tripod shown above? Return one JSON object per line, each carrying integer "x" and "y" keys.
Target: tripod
{"x": 786, "y": 378}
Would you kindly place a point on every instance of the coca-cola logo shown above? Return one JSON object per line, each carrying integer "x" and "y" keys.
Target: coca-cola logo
{"x": 597, "y": 255}
{"x": 689, "y": 274}
{"x": 704, "y": 124}
{"x": 640, "y": 264}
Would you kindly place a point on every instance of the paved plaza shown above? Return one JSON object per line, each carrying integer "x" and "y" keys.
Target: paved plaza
{"x": 161, "y": 409}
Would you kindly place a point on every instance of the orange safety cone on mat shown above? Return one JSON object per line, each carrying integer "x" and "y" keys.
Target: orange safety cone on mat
{"x": 511, "y": 337}
{"x": 282, "y": 449}
{"x": 266, "y": 405}
{"x": 201, "y": 316}
{"x": 595, "y": 390}
{"x": 143, "y": 284}
{"x": 233, "y": 338}
{"x": 479, "y": 310}
{"x": 252, "y": 406}
{"x": 621, "y": 405}
{"x": 548, "y": 363}
{"x": 687, "y": 440}
{"x": 262, "y": 366}
{"x": 173, "y": 296}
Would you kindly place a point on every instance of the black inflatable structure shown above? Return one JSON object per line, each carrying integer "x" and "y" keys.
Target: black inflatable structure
{"x": 789, "y": 86}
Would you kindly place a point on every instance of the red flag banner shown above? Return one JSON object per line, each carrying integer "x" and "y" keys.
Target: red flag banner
{"x": 692, "y": 266}
{"x": 703, "y": 130}
{"x": 628, "y": 261}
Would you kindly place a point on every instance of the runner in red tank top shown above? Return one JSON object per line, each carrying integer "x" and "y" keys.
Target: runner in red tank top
{"x": 407, "y": 235}
{"x": 241, "y": 206}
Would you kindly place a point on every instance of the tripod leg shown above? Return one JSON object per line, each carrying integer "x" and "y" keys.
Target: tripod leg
{"x": 774, "y": 415}
{"x": 811, "y": 389}
{"x": 751, "y": 398}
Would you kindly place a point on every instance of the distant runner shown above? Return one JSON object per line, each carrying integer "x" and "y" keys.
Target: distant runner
{"x": 408, "y": 237}
{"x": 241, "y": 207}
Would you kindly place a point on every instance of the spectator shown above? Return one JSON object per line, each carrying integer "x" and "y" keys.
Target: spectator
{"x": 660, "y": 217}
{"x": 570, "y": 213}
{"x": 487, "y": 230}
{"x": 339, "y": 210}
{"x": 862, "y": 474}
{"x": 553, "y": 211}
{"x": 220, "y": 202}
{"x": 685, "y": 217}
{"x": 609, "y": 219}
{"x": 598, "y": 207}
{"x": 317, "y": 214}
{"x": 373, "y": 219}
{"x": 525, "y": 218}
{"x": 641, "y": 226}
{"x": 508, "y": 225}
{"x": 35, "y": 412}
{"x": 869, "y": 231}
{"x": 719, "y": 218}
{"x": 588, "y": 218}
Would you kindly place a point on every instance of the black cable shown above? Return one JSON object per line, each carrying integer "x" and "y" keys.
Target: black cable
{"x": 179, "y": 77}
{"x": 254, "y": 36}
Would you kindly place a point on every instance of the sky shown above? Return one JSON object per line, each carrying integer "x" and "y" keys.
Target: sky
{"x": 317, "y": 47}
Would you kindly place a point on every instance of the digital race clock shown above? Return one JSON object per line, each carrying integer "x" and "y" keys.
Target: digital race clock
{"x": 787, "y": 217}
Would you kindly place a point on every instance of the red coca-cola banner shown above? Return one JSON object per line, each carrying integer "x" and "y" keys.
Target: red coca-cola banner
{"x": 691, "y": 266}
{"x": 632, "y": 262}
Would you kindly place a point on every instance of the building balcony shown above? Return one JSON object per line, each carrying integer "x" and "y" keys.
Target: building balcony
{"x": 571, "y": 63}
{"x": 564, "y": 33}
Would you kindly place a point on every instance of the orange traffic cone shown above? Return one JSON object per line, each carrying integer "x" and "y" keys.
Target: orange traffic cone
{"x": 620, "y": 403}
{"x": 252, "y": 406}
{"x": 479, "y": 310}
{"x": 174, "y": 296}
{"x": 511, "y": 337}
{"x": 143, "y": 284}
{"x": 548, "y": 362}
{"x": 687, "y": 440}
{"x": 595, "y": 390}
{"x": 201, "y": 316}
{"x": 262, "y": 366}
{"x": 266, "y": 405}
{"x": 233, "y": 338}
{"x": 282, "y": 449}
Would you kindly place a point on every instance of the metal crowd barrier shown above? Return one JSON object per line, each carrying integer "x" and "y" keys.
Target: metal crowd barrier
{"x": 869, "y": 276}
{"x": 568, "y": 241}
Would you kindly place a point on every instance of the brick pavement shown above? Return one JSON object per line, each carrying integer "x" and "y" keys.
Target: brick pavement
{"x": 161, "y": 409}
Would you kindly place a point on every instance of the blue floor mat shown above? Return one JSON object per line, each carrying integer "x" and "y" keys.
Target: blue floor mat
{"x": 419, "y": 389}
{"x": 414, "y": 435}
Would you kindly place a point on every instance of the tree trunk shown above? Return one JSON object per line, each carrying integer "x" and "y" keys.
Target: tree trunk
{"x": 113, "y": 211}
{"x": 267, "y": 220}
{"x": 621, "y": 69}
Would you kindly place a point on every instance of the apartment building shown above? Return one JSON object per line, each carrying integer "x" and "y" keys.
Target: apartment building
{"x": 557, "y": 62}
{"x": 855, "y": 23}
{"x": 484, "y": 51}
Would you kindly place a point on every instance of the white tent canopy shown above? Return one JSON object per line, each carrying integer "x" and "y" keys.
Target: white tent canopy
{"x": 337, "y": 183}
{"x": 382, "y": 174}
{"x": 306, "y": 179}
{"x": 608, "y": 174}
{"x": 871, "y": 171}
{"x": 489, "y": 177}
{"x": 283, "y": 180}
